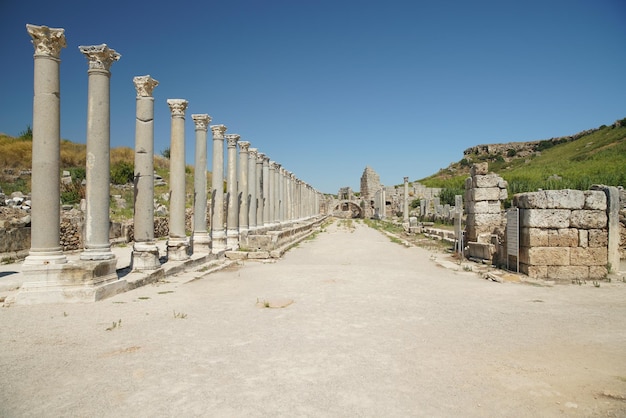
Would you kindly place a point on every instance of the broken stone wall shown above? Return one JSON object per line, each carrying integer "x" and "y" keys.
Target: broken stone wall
{"x": 563, "y": 234}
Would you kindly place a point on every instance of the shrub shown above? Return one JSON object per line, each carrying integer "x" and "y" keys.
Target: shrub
{"x": 122, "y": 173}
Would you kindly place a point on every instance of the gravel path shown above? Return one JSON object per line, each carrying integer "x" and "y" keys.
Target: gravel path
{"x": 375, "y": 329}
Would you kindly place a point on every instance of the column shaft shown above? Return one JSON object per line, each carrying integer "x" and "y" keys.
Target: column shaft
{"x": 252, "y": 186}
{"x": 232, "y": 219}
{"x": 177, "y": 244}
{"x": 218, "y": 235}
{"x": 45, "y": 248}
{"x": 266, "y": 191}
{"x": 97, "y": 244}
{"x": 200, "y": 237}
{"x": 243, "y": 192}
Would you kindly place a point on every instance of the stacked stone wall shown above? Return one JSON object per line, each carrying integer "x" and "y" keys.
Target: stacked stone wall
{"x": 563, "y": 234}
{"x": 484, "y": 193}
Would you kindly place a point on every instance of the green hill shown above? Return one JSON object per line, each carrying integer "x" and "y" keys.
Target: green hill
{"x": 596, "y": 156}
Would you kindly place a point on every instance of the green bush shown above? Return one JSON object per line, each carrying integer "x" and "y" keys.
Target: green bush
{"x": 122, "y": 173}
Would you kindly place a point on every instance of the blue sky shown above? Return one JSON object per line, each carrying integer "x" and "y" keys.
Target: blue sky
{"x": 328, "y": 87}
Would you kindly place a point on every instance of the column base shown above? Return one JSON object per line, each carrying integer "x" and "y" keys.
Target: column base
{"x": 232, "y": 239}
{"x": 201, "y": 242}
{"x": 218, "y": 242}
{"x": 145, "y": 256}
{"x": 83, "y": 281}
{"x": 97, "y": 254}
{"x": 41, "y": 258}
{"x": 177, "y": 249}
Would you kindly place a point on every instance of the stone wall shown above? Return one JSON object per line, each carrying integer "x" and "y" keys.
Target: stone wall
{"x": 563, "y": 234}
{"x": 484, "y": 194}
{"x": 370, "y": 184}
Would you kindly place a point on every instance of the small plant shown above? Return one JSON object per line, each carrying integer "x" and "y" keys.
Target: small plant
{"x": 143, "y": 297}
{"x": 117, "y": 324}
{"x": 180, "y": 315}
{"x": 165, "y": 292}
{"x": 467, "y": 267}
{"x": 596, "y": 283}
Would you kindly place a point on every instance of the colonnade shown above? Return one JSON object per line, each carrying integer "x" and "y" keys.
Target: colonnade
{"x": 261, "y": 195}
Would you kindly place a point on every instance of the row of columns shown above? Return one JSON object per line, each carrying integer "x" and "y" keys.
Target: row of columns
{"x": 260, "y": 193}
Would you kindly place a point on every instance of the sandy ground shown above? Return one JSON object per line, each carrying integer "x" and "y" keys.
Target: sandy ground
{"x": 375, "y": 329}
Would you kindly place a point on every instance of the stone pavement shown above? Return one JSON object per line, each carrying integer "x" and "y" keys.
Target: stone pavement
{"x": 362, "y": 327}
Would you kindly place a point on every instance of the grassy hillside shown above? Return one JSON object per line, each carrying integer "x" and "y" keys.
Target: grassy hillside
{"x": 595, "y": 158}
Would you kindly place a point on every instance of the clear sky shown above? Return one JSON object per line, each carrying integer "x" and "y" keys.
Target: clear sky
{"x": 328, "y": 87}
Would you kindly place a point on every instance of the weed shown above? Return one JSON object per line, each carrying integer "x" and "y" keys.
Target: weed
{"x": 596, "y": 283}
{"x": 180, "y": 315}
{"x": 165, "y": 292}
{"x": 117, "y": 324}
{"x": 143, "y": 297}
{"x": 467, "y": 267}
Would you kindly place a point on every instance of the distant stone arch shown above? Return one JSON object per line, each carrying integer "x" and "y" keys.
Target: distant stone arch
{"x": 347, "y": 209}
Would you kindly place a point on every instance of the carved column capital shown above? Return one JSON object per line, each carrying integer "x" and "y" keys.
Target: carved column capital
{"x": 218, "y": 131}
{"x": 406, "y": 179}
{"x": 144, "y": 84}
{"x": 47, "y": 41}
{"x": 201, "y": 121}
{"x": 253, "y": 152}
{"x": 244, "y": 146}
{"x": 231, "y": 140}
{"x": 266, "y": 159}
{"x": 100, "y": 57}
{"x": 177, "y": 106}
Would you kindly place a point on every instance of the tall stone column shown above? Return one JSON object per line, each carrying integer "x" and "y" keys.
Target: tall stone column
{"x": 405, "y": 215}
{"x": 244, "y": 197}
{"x": 218, "y": 234}
{"x": 177, "y": 243}
{"x": 260, "y": 201}
{"x": 272, "y": 192}
{"x": 201, "y": 239}
{"x": 97, "y": 244}
{"x": 45, "y": 247}
{"x": 145, "y": 254}
{"x": 252, "y": 186}
{"x": 281, "y": 195}
{"x": 232, "y": 218}
{"x": 266, "y": 191}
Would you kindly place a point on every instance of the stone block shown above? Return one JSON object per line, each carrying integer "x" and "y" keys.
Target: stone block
{"x": 484, "y": 219}
{"x": 479, "y": 169}
{"x": 484, "y": 207}
{"x": 568, "y": 273}
{"x": 503, "y": 184}
{"x": 583, "y": 238}
{"x": 545, "y": 256}
{"x": 598, "y": 272}
{"x": 536, "y": 272}
{"x": 598, "y": 238}
{"x": 534, "y": 237}
{"x": 588, "y": 256}
{"x": 566, "y": 237}
{"x": 545, "y": 218}
{"x": 258, "y": 255}
{"x": 504, "y": 194}
{"x": 595, "y": 200}
{"x": 588, "y": 219}
{"x": 486, "y": 193}
{"x": 469, "y": 184}
{"x": 486, "y": 180}
{"x": 550, "y": 199}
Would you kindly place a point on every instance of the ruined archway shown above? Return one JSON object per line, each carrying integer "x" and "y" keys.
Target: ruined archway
{"x": 347, "y": 209}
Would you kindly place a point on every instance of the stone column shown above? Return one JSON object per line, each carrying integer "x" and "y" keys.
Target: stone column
{"x": 218, "y": 235}
{"x": 266, "y": 191}
{"x": 405, "y": 212}
{"x": 145, "y": 254}
{"x": 97, "y": 244}
{"x": 276, "y": 188}
{"x": 243, "y": 192}
{"x": 232, "y": 219}
{"x": 177, "y": 243}
{"x": 45, "y": 247}
{"x": 260, "y": 202}
{"x": 252, "y": 186}
{"x": 282, "y": 195}
{"x": 201, "y": 240}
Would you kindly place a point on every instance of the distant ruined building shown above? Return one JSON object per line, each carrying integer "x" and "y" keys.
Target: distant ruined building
{"x": 370, "y": 186}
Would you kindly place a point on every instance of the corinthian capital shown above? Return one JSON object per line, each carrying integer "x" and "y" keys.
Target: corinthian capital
{"x": 243, "y": 146}
{"x": 253, "y": 152}
{"x": 218, "y": 131}
{"x": 202, "y": 121}
{"x": 231, "y": 140}
{"x": 177, "y": 106}
{"x": 100, "y": 57}
{"x": 47, "y": 41}
{"x": 144, "y": 84}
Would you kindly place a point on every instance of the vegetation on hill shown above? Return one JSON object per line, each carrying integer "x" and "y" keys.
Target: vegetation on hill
{"x": 576, "y": 162}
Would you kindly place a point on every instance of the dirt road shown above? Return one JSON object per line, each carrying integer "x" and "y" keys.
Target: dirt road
{"x": 368, "y": 328}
